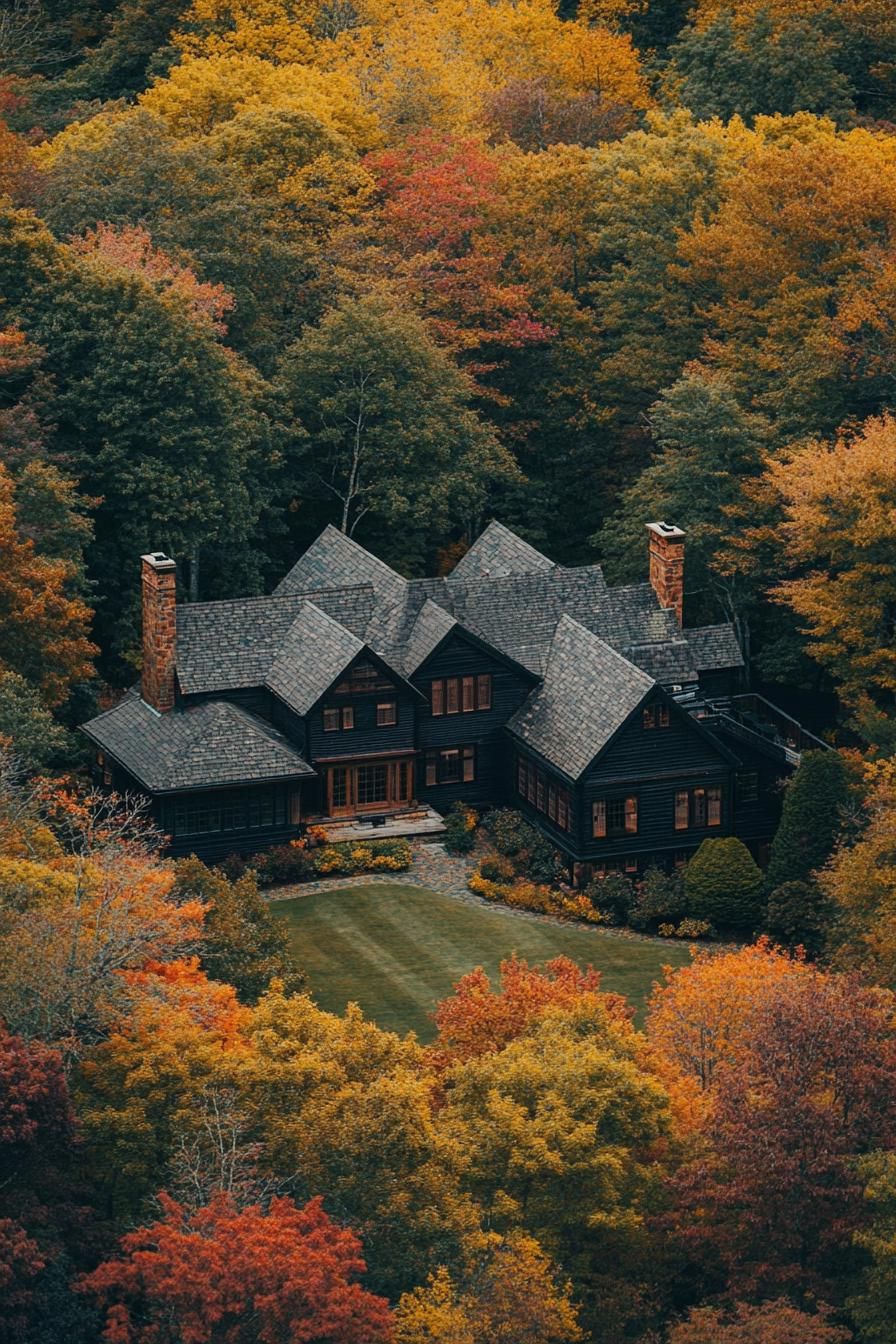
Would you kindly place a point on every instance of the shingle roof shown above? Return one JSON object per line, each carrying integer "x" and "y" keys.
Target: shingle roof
{"x": 231, "y": 645}
{"x": 588, "y": 692}
{"x": 312, "y": 653}
{"x": 335, "y": 561}
{"x": 496, "y": 553}
{"x": 205, "y": 746}
{"x": 714, "y": 646}
{"x": 433, "y": 623}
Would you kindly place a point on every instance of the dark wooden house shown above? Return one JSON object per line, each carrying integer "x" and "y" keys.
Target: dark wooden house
{"x": 352, "y": 696}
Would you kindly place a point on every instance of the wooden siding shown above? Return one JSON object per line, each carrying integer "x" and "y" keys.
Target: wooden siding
{"x": 482, "y": 728}
{"x": 365, "y": 739}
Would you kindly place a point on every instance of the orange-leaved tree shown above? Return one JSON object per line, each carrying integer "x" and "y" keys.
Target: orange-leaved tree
{"x": 240, "y": 1275}
{"x": 477, "y": 1019}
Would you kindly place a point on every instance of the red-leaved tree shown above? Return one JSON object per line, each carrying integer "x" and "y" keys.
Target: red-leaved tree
{"x": 224, "y": 1275}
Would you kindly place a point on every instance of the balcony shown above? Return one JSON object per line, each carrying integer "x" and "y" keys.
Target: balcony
{"x": 755, "y": 720}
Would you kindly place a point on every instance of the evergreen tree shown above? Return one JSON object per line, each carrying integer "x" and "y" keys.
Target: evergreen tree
{"x": 811, "y": 819}
{"x": 722, "y": 884}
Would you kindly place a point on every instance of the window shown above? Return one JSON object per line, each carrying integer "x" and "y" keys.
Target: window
{"x": 363, "y": 678}
{"x": 614, "y": 816}
{"x": 452, "y": 765}
{"x": 336, "y": 719}
{"x": 748, "y": 786}
{"x": 544, "y": 795}
{"x": 386, "y": 714}
{"x": 655, "y": 716}
{"x": 682, "y": 810}
{"x": 256, "y": 809}
{"x": 461, "y": 695}
{"x": 698, "y": 808}
{"x": 484, "y": 691}
{"x": 630, "y": 863}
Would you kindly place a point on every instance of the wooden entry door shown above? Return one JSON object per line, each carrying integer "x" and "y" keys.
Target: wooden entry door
{"x": 369, "y": 786}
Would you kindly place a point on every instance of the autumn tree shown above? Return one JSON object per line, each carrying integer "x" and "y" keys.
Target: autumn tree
{"x": 875, "y": 1301}
{"x": 860, "y": 882}
{"x": 836, "y": 501}
{"x": 75, "y": 919}
{"x": 810, "y": 1088}
{"x": 171, "y": 471}
{"x": 774, "y": 1322}
{"x": 562, "y": 1130}
{"x": 243, "y": 943}
{"x": 512, "y": 1297}
{"x": 289, "y": 1272}
{"x": 391, "y": 432}
{"x": 477, "y": 1019}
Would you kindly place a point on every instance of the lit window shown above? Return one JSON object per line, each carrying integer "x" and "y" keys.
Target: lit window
{"x": 682, "y": 810}
{"x": 631, "y": 816}
{"x": 331, "y": 720}
{"x": 452, "y": 695}
{"x": 599, "y": 818}
{"x": 468, "y": 694}
{"x": 438, "y": 698}
{"x": 484, "y": 691}
{"x": 386, "y": 714}
{"x": 648, "y": 717}
{"x": 714, "y": 807}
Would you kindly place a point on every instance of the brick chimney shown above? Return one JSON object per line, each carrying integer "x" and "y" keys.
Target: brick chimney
{"x": 667, "y": 565}
{"x": 159, "y": 625}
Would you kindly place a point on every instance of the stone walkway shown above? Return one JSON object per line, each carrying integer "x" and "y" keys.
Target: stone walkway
{"x": 433, "y": 867}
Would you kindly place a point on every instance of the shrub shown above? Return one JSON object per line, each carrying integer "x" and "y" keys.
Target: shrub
{"x": 349, "y": 858}
{"x": 722, "y": 884}
{"x": 460, "y": 829}
{"x": 497, "y": 868}
{"x": 797, "y": 915}
{"x": 688, "y": 928}
{"x": 659, "y": 898}
{"x": 283, "y": 863}
{"x": 537, "y": 897}
{"x": 612, "y": 895}
{"x": 516, "y": 838}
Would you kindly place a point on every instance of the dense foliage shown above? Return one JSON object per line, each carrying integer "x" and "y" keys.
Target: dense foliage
{"x": 269, "y": 265}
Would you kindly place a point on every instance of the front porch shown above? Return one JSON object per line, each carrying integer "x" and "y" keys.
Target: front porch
{"x": 421, "y": 822}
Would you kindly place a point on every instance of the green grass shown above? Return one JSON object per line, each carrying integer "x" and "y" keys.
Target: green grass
{"x": 396, "y": 949}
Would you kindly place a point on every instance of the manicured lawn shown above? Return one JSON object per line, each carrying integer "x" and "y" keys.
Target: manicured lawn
{"x": 396, "y": 950}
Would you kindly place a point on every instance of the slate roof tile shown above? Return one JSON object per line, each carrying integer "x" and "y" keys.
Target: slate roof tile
{"x": 496, "y": 553}
{"x": 313, "y": 652}
{"x": 588, "y": 692}
{"x": 714, "y": 646}
{"x": 204, "y": 746}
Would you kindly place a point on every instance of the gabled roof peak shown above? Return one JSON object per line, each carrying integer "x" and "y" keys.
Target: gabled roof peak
{"x": 496, "y": 553}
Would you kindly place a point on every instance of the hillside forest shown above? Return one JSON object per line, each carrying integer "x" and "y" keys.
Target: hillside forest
{"x": 401, "y": 268}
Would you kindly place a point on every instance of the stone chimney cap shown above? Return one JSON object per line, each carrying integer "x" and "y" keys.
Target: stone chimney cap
{"x": 158, "y": 560}
{"x": 667, "y": 530}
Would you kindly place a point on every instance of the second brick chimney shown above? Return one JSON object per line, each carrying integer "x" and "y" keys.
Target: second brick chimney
{"x": 159, "y": 630}
{"x": 667, "y": 565}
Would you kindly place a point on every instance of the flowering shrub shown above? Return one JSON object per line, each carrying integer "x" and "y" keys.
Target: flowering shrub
{"x": 316, "y": 835}
{"x": 535, "y": 896}
{"x": 688, "y": 928}
{"x": 460, "y": 828}
{"x": 497, "y": 868}
{"x": 392, "y": 856}
{"x": 296, "y": 862}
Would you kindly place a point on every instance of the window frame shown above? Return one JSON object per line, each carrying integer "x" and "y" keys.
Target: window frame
{"x": 469, "y": 693}
{"x": 434, "y": 761}
{"x": 615, "y": 816}
{"x": 392, "y": 707}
